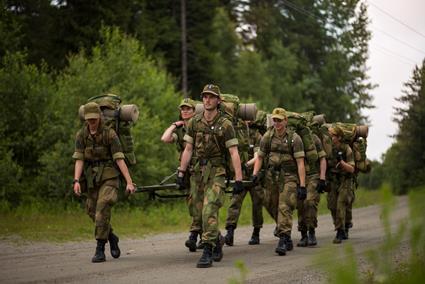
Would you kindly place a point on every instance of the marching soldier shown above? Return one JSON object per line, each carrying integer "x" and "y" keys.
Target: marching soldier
{"x": 175, "y": 134}
{"x": 211, "y": 137}
{"x": 97, "y": 149}
{"x": 340, "y": 176}
{"x": 283, "y": 151}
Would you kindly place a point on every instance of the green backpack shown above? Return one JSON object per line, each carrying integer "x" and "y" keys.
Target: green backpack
{"x": 356, "y": 136}
{"x": 121, "y": 118}
{"x": 299, "y": 123}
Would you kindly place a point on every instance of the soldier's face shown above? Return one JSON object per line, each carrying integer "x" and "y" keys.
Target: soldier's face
{"x": 93, "y": 123}
{"x": 186, "y": 112}
{"x": 210, "y": 101}
{"x": 279, "y": 124}
{"x": 335, "y": 139}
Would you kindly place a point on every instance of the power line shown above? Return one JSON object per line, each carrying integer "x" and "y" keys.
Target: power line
{"x": 308, "y": 13}
{"x": 407, "y": 59}
{"x": 395, "y": 19}
{"x": 399, "y": 40}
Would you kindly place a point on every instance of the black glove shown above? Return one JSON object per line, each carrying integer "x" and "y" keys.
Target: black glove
{"x": 301, "y": 192}
{"x": 321, "y": 186}
{"x": 180, "y": 180}
{"x": 339, "y": 156}
{"x": 237, "y": 187}
{"x": 254, "y": 179}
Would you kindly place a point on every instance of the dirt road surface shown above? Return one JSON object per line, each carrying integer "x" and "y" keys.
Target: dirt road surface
{"x": 164, "y": 259}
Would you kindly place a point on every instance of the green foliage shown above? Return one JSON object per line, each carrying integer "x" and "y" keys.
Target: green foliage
{"x": 251, "y": 80}
{"x": 374, "y": 179}
{"x": 383, "y": 268}
{"x": 404, "y": 162}
{"x": 243, "y": 272}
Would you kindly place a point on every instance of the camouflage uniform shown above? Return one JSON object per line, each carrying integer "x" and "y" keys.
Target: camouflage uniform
{"x": 281, "y": 169}
{"x": 341, "y": 194}
{"x": 211, "y": 142}
{"x": 246, "y": 152}
{"x": 195, "y": 199}
{"x": 101, "y": 177}
{"x": 307, "y": 209}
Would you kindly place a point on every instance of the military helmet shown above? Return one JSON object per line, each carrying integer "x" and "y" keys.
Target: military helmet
{"x": 187, "y": 102}
{"x": 211, "y": 89}
{"x": 91, "y": 111}
{"x": 279, "y": 113}
{"x": 337, "y": 131}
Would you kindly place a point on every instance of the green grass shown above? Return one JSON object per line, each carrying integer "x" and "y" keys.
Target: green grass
{"x": 383, "y": 267}
{"x": 42, "y": 221}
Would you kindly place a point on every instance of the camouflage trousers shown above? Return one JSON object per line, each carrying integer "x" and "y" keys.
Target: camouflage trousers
{"x": 236, "y": 202}
{"x": 195, "y": 203}
{"x": 272, "y": 184}
{"x": 100, "y": 200}
{"x": 340, "y": 199}
{"x": 287, "y": 204}
{"x": 212, "y": 187}
{"x": 307, "y": 209}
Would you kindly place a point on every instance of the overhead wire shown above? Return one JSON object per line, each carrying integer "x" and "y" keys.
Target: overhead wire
{"x": 308, "y": 13}
{"x": 395, "y": 19}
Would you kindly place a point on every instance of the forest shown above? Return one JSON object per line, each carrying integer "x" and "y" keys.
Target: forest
{"x": 299, "y": 54}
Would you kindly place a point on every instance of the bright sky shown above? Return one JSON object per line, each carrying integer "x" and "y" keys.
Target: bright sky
{"x": 394, "y": 51}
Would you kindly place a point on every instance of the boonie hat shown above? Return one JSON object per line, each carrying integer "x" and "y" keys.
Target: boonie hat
{"x": 187, "y": 102}
{"x": 211, "y": 89}
{"x": 279, "y": 113}
{"x": 91, "y": 110}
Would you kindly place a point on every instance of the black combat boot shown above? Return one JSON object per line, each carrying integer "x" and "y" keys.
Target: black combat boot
{"x": 255, "y": 238}
{"x": 304, "y": 240}
{"x": 312, "y": 237}
{"x": 206, "y": 258}
{"x": 281, "y": 245}
{"x": 339, "y": 236}
{"x": 217, "y": 252}
{"x": 347, "y": 228}
{"x": 113, "y": 244}
{"x": 99, "y": 255}
{"x": 289, "y": 243}
{"x": 228, "y": 239}
{"x": 191, "y": 241}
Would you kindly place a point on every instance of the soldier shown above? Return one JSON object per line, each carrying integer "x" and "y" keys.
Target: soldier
{"x": 283, "y": 151}
{"x": 175, "y": 134}
{"x": 96, "y": 150}
{"x": 210, "y": 135}
{"x": 249, "y": 151}
{"x": 307, "y": 209}
{"x": 340, "y": 176}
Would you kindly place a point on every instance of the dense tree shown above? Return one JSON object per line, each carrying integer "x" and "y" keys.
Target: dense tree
{"x": 405, "y": 160}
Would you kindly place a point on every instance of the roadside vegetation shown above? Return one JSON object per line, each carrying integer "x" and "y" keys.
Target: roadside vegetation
{"x": 60, "y": 222}
{"x": 385, "y": 265}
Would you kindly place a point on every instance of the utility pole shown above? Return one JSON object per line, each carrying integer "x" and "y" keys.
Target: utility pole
{"x": 184, "y": 46}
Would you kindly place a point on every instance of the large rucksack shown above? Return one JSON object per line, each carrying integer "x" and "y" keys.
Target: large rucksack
{"x": 299, "y": 123}
{"x": 120, "y": 118}
{"x": 355, "y": 136}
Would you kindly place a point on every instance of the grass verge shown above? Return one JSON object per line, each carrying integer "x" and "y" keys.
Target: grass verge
{"x": 42, "y": 221}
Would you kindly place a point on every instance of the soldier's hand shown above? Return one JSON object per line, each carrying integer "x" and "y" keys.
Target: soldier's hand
{"x": 321, "y": 186}
{"x": 77, "y": 189}
{"x": 237, "y": 187}
{"x": 179, "y": 123}
{"x": 130, "y": 188}
{"x": 301, "y": 192}
{"x": 180, "y": 179}
{"x": 339, "y": 157}
{"x": 254, "y": 179}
